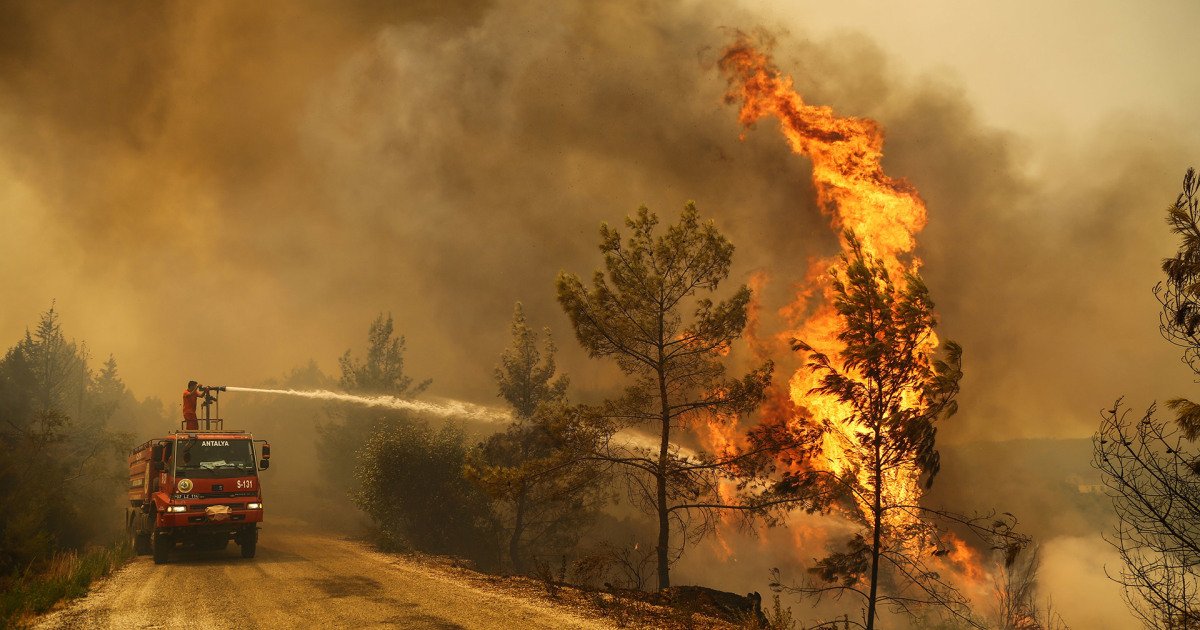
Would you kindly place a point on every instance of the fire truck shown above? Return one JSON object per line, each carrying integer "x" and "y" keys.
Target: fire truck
{"x": 196, "y": 488}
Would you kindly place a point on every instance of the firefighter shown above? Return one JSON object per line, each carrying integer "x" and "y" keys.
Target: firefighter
{"x": 189, "y": 406}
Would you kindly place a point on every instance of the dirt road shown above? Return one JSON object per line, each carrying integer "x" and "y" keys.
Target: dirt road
{"x": 302, "y": 579}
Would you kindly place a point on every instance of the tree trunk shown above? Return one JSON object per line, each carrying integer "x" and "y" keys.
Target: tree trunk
{"x": 664, "y": 521}
{"x": 878, "y": 514}
{"x": 514, "y": 543}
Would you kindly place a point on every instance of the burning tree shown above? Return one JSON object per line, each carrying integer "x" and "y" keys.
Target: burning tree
{"x": 866, "y": 404}
{"x": 636, "y": 312}
{"x": 889, "y": 391}
{"x": 538, "y": 470}
{"x": 1152, "y": 467}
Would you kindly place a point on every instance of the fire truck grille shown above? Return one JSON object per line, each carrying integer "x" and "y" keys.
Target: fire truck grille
{"x": 200, "y": 518}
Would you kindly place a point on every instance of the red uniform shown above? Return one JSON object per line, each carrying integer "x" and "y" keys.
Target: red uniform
{"x": 189, "y": 410}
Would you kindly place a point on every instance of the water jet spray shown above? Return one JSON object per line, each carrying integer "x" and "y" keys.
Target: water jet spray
{"x": 445, "y": 409}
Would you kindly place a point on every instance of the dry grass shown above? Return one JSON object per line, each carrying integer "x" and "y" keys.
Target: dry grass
{"x": 66, "y": 575}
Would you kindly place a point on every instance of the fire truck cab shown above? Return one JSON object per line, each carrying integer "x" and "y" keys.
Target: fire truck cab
{"x": 196, "y": 488}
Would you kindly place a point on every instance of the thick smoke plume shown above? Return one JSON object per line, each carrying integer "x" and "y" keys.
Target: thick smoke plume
{"x": 169, "y": 170}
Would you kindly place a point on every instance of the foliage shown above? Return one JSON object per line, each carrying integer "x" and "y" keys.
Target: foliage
{"x": 544, "y": 488}
{"x": 894, "y": 389}
{"x": 637, "y": 312}
{"x": 380, "y": 373}
{"x": 527, "y": 380}
{"x": 54, "y": 442}
{"x": 411, "y": 484}
{"x": 1179, "y": 294}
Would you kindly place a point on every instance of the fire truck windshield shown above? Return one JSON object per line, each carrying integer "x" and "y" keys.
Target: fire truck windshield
{"x": 214, "y": 458}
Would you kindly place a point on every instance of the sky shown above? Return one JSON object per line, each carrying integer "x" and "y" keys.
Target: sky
{"x": 225, "y": 192}
{"x": 1035, "y": 66}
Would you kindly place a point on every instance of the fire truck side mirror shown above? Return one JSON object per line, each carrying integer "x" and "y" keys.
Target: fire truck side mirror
{"x": 156, "y": 457}
{"x": 265, "y": 462}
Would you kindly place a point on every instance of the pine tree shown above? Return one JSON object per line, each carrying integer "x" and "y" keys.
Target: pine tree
{"x": 537, "y": 471}
{"x": 650, "y": 312}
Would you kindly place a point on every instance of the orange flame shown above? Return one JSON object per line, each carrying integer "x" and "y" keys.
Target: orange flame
{"x": 965, "y": 560}
{"x": 884, "y": 214}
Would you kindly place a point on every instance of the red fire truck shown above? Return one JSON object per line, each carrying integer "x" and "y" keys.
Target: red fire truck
{"x": 197, "y": 488}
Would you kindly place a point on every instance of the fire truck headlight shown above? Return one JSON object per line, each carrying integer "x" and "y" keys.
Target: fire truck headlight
{"x": 254, "y": 506}
{"x": 176, "y": 508}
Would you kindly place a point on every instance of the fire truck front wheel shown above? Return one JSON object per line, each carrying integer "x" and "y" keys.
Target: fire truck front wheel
{"x": 162, "y": 547}
{"x": 141, "y": 544}
{"x": 248, "y": 540}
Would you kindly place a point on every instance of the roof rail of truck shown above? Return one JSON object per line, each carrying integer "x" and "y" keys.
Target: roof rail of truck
{"x": 199, "y": 431}
{"x": 177, "y": 433}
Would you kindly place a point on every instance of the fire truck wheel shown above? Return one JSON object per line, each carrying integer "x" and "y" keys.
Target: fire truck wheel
{"x": 131, "y": 533}
{"x": 162, "y": 547}
{"x": 249, "y": 542}
{"x": 141, "y": 544}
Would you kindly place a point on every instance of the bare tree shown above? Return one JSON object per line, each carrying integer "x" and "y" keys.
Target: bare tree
{"x": 1150, "y": 471}
{"x": 1017, "y": 593}
{"x": 1150, "y": 466}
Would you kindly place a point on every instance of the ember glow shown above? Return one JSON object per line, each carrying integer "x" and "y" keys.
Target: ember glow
{"x": 885, "y": 214}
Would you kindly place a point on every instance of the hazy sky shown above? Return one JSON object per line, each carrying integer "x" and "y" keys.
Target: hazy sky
{"x": 1035, "y": 66}
{"x": 222, "y": 191}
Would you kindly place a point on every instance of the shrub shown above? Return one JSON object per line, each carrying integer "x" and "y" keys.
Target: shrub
{"x": 410, "y": 482}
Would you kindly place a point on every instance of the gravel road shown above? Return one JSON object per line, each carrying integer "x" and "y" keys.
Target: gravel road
{"x": 302, "y": 578}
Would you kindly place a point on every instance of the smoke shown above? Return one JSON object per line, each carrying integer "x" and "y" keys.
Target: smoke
{"x": 448, "y": 409}
{"x": 179, "y": 167}
{"x": 1074, "y": 580}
